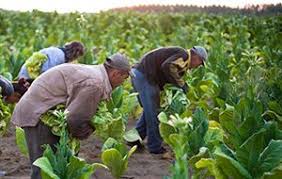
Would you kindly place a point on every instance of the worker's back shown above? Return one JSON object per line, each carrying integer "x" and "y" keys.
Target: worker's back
{"x": 54, "y": 87}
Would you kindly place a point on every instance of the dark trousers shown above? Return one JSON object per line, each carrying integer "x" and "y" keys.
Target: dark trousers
{"x": 149, "y": 97}
{"x": 36, "y": 137}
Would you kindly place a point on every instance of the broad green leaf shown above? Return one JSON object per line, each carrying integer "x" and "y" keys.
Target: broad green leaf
{"x": 203, "y": 153}
{"x": 276, "y": 173}
{"x": 162, "y": 117}
{"x": 178, "y": 144}
{"x": 200, "y": 127}
{"x": 212, "y": 167}
{"x": 248, "y": 153}
{"x": 44, "y": 164}
{"x": 113, "y": 160}
{"x": 227, "y": 123}
{"x": 78, "y": 168}
{"x": 21, "y": 141}
{"x": 214, "y": 136}
{"x": 274, "y": 106}
{"x": 271, "y": 156}
{"x": 165, "y": 131}
{"x": 231, "y": 167}
{"x": 132, "y": 135}
{"x": 116, "y": 129}
{"x": 110, "y": 143}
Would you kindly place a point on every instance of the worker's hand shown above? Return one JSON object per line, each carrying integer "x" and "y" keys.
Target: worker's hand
{"x": 185, "y": 88}
{"x": 80, "y": 129}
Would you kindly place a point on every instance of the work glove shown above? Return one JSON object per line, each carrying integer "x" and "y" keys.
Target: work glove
{"x": 185, "y": 88}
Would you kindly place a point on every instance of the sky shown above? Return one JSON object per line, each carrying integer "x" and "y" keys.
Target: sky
{"x": 98, "y": 5}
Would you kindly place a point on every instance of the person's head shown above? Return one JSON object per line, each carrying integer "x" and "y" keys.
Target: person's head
{"x": 118, "y": 69}
{"x": 73, "y": 50}
{"x": 199, "y": 56}
{"x": 19, "y": 89}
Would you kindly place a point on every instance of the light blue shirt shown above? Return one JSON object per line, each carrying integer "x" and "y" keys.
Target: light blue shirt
{"x": 55, "y": 57}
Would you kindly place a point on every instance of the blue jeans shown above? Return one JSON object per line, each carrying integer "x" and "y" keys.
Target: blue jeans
{"x": 149, "y": 99}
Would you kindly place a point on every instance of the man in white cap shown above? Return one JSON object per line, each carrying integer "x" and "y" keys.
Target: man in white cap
{"x": 158, "y": 67}
{"x": 80, "y": 88}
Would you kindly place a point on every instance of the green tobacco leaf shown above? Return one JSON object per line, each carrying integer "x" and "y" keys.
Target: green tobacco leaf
{"x": 274, "y": 106}
{"x": 212, "y": 167}
{"x": 163, "y": 117}
{"x": 231, "y": 167}
{"x": 178, "y": 144}
{"x": 126, "y": 157}
{"x": 78, "y": 168}
{"x": 214, "y": 136}
{"x": 113, "y": 160}
{"x": 248, "y": 153}
{"x": 131, "y": 151}
{"x": 229, "y": 126}
{"x": 44, "y": 164}
{"x": 116, "y": 100}
{"x": 132, "y": 135}
{"x": 21, "y": 141}
{"x": 110, "y": 143}
{"x": 271, "y": 156}
{"x": 200, "y": 124}
{"x": 99, "y": 165}
{"x": 203, "y": 153}
{"x": 276, "y": 173}
{"x": 165, "y": 131}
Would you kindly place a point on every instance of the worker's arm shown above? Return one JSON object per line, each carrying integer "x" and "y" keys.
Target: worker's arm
{"x": 175, "y": 67}
{"x": 82, "y": 105}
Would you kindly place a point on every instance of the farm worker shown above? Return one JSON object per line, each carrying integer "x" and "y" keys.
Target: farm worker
{"x": 50, "y": 57}
{"x": 11, "y": 92}
{"x": 158, "y": 67}
{"x": 80, "y": 88}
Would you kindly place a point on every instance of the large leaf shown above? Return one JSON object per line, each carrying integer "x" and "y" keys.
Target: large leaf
{"x": 79, "y": 169}
{"x": 165, "y": 131}
{"x": 203, "y": 153}
{"x": 110, "y": 143}
{"x": 44, "y": 164}
{"x": 248, "y": 153}
{"x": 231, "y": 167}
{"x": 21, "y": 141}
{"x": 163, "y": 117}
{"x": 276, "y": 173}
{"x": 178, "y": 145}
{"x": 214, "y": 136}
{"x": 116, "y": 100}
{"x": 229, "y": 126}
{"x": 132, "y": 135}
{"x": 200, "y": 127}
{"x": 114, "y": 161}
{"x": 212, "y": 167}
{"x": 271, "y": 156}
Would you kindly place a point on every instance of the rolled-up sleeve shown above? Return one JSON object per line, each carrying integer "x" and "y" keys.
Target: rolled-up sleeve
{"x": 82, "y": 105}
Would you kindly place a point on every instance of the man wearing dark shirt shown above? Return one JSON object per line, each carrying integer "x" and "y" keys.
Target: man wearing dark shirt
{"x": 157, "y": 68}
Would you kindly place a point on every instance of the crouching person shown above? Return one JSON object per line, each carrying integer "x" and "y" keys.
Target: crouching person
{"x": 80, "y": 88}
{"x": 11, "y": 92}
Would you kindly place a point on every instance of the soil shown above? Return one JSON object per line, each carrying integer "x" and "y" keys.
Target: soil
{"x": 141, "y": 165}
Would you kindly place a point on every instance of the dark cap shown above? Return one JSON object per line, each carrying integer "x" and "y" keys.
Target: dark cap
{"x": 119, "y": 61}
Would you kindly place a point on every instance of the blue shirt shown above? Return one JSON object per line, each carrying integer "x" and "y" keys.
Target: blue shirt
{"x": 55, "y": 55}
